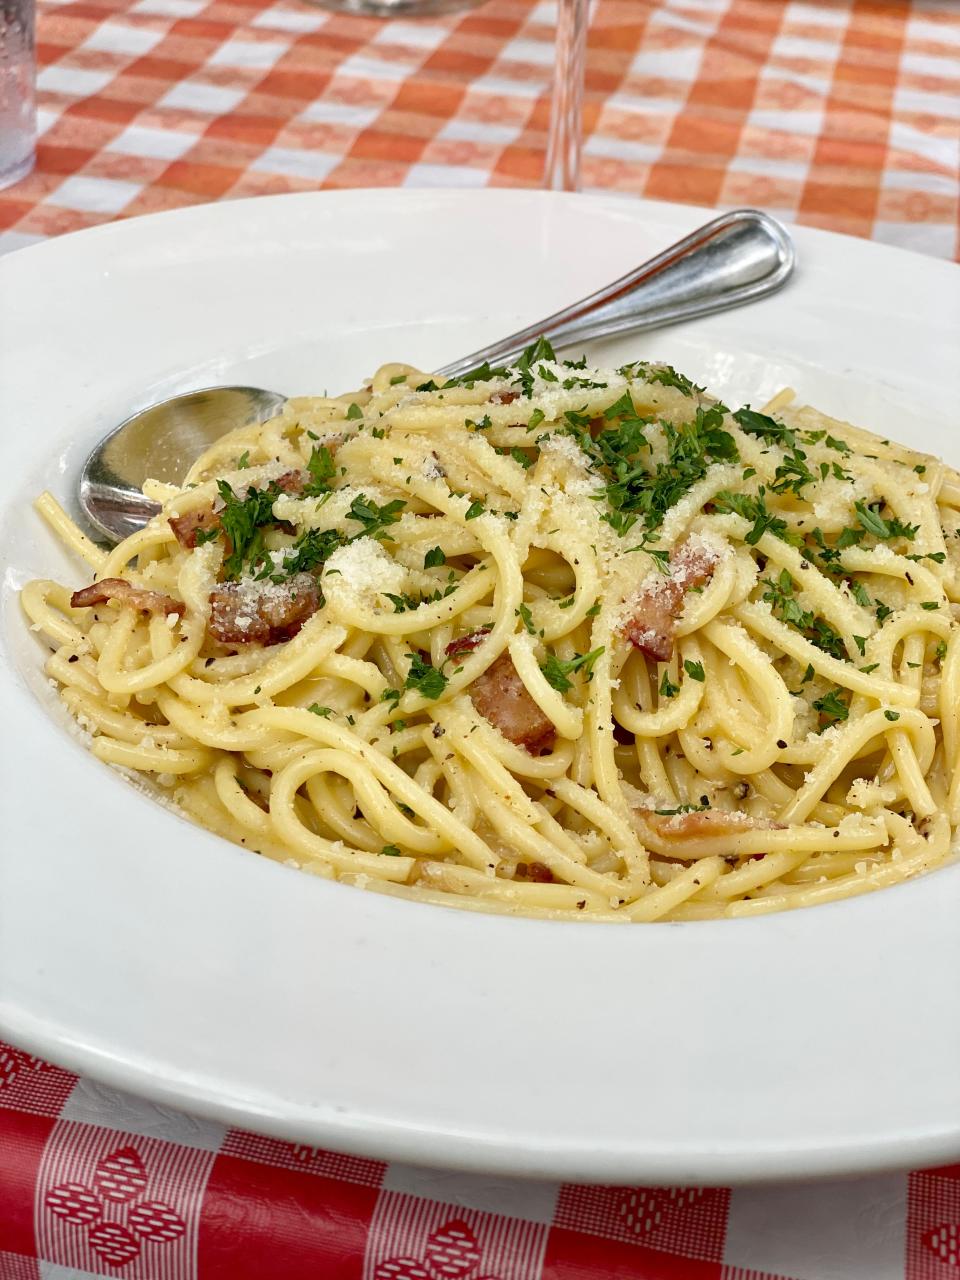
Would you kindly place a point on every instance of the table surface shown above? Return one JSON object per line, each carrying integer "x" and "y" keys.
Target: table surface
{"x": 842, "y": 114}
{"x": 93, "y": 1181}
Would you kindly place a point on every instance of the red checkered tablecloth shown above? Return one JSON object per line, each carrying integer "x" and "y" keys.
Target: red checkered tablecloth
{"x": 837, "y": 113}
{"x": 95, "y": 1182}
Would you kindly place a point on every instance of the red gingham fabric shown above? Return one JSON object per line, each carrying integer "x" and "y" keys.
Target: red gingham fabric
{"x": 842, "y": 114}
{"x": 98, "y": 1183}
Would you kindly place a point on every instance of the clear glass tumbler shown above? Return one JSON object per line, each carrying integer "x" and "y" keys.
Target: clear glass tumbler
{"x": 17, "y": 92}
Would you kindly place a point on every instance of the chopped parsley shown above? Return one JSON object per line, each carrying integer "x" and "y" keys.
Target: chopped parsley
{"x": 534, "y": 354}
{"x": 840, "y": 446}
{"x": 354, "y": 411}
{"x": 892, "y": 715}
{"x": 242, "y": 521}
{"x": 667, "y": 376}
{"x": 321, "y": 466}
{"x": 244, "y": 460}
{"x": 426, "y": 679}
{"x": 475, "y": 509}
{"x": 667, "y": 688}
{"x": 556, "y": 672}
{"x": 527, "y": 619}
{"x": 694, "y": 670}
{"x": 434, "y": 558}
{"x": 373, "y": 517}
{"x": 754, "y": 509}
{"x": 871, "y": 520}
{"x": 779, "y": 595}
{"x": 317, "y": 710}
{"x": 311, "y": 549}
{"x": 832, "y": 707}
{"x": 633, "y": 490}
{"x": 767, "y": 428}
{"x": 401, "y": 603}
{"x": 390, "y": 851}
{"x": 682, "y": 808}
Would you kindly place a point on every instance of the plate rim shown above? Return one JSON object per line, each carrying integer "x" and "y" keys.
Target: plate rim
{"x": 888, "y": 1151}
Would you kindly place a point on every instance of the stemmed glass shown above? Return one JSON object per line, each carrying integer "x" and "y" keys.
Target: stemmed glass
{"x": 562, "y": 164}
{"x": 562, "y": 167}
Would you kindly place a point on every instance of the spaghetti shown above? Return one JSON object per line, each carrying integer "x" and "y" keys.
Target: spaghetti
{"x": 551, "y": 640}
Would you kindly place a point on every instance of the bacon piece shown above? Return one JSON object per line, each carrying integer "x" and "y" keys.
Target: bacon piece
{"x": 502, "y": 698}
{"x": 538, "y": 872}
{"x": 465, "y": 644}
{"x": 667, "y": 832}
{"x": 292, "y": 482}
{"x": 186, "y": 527}
{"x": 262, "y": 612}
{"x": 660, "y": 602}
{"x": 126, "y": 593}
{"x": 504, "y": 397}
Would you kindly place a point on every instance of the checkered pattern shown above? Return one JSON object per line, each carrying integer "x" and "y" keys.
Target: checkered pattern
{"x": 94, "y": 1182}
{"x": 837, "y": 113}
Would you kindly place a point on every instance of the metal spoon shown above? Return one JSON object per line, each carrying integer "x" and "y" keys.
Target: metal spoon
{"x": 734, "y": 259}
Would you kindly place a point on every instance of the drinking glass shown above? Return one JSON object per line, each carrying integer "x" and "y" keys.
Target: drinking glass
{"x": 17, "y": 96}
{"x": 396, "y": 8}
{"x": 562, "y": 168}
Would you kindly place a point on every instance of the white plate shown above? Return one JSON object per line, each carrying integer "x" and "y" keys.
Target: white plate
{"x": 155, "y": 956}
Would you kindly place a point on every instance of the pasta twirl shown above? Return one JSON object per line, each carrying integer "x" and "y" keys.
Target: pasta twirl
{"x": 552, "y": 640}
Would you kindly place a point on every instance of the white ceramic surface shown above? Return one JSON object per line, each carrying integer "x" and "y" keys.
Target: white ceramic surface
{"x": 155, "y": 956}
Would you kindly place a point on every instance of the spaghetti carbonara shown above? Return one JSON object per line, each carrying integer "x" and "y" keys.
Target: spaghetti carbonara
{"x": 548, "y": 639}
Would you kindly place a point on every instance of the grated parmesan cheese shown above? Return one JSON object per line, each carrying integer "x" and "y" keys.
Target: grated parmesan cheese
{"x": 364, "y": 569}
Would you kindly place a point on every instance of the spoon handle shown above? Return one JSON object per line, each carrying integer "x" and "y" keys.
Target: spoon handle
{"x": 736, "y": 258}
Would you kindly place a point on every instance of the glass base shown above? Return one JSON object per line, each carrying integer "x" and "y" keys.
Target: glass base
{"x": 17, "y": 173}
{"x": 395, "y": 8}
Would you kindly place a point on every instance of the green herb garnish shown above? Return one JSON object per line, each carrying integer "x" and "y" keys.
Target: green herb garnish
{"x": 527, "y": 619}
{"x": 832, "y": 707}
{"x": 556, "y": 671}
{"x": 425, "y": 678}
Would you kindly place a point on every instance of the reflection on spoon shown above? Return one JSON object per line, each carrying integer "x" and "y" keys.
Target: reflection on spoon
{"x": 160, "y": 443}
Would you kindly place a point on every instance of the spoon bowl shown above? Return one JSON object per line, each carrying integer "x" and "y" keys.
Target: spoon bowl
{"x": 161, "y": 443}
{"x": 734, "y": 259}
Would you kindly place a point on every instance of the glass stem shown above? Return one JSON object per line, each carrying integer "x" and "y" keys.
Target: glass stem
{"x": 562, "y": 170}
